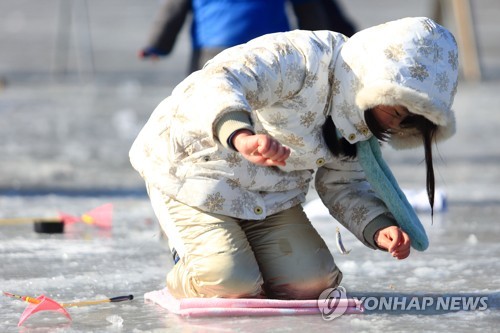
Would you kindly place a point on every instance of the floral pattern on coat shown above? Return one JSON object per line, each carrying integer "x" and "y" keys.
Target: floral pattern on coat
{"x": 289, "y": 83}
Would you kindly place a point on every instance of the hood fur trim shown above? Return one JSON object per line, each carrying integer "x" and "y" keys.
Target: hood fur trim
{"x": 388, "y": 93}
{"x": 411, "y": 62}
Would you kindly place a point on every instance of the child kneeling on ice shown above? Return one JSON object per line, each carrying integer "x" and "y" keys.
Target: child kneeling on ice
{"x": 228, "y": 157}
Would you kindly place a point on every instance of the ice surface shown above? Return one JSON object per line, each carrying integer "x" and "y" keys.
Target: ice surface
{"x": 86, "y": 263}
{"x": 115, "y": 320}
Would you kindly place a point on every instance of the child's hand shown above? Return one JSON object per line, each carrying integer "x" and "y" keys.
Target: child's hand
{"x": 260, "y": 149}
{"x": 394, "y": 240}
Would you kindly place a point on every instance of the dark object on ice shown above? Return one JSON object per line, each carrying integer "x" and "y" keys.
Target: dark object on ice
{"x": 55, "y": 226}
{"x": 121, "y": 298}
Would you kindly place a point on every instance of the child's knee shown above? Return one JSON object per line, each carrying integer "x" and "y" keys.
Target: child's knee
{"x": 239, "y": 282}
{"x": 306, "y": 286}
{"x": 222, "y": 276}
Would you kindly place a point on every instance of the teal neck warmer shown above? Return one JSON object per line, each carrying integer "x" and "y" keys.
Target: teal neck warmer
{"x": 385, "y": 185}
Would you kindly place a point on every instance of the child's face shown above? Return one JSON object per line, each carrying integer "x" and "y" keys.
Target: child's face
{"x": 390, "y": 117}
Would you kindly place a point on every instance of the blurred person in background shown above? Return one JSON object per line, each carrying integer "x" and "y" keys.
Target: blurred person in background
{"x": 217, "y": 25}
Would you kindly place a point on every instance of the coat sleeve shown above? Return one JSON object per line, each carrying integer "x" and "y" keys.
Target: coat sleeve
{"x": 251, "y": 76}
{"x": 168, "y": 24}
{"x": 346, "y": 193}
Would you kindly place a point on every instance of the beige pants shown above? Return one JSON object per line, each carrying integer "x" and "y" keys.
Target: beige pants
{"x": 282, "y": 256}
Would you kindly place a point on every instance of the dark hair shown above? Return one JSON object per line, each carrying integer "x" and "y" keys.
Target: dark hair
{"x": 341, "y": 147}
{"x": 337, "y": 146}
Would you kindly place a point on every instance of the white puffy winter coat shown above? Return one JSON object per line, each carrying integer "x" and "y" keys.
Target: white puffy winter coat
{"x": 289, "y": 83}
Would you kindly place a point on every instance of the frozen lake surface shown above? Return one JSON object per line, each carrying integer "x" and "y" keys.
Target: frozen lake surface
{"x": 87, "y": 263}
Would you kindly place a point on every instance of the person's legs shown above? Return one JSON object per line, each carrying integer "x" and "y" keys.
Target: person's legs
{"x": 199, "y": 57}
{"x": 216, "y": 259}
{"x": 293, "y": 258}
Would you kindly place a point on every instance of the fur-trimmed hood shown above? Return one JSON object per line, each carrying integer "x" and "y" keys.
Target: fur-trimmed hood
{"x": 411, "y": 62}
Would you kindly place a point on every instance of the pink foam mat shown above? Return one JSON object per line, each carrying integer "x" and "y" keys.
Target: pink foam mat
{"x": 220, "y": 307}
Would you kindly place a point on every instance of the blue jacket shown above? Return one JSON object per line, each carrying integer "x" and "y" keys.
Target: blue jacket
{"x": 225, "y": 23}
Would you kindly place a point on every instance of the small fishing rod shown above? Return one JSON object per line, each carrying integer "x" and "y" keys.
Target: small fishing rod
{"x": 33, "y": 300}
{"x": 101, "y": 217}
